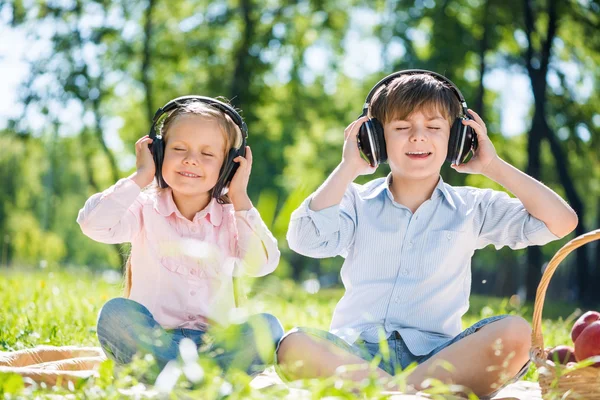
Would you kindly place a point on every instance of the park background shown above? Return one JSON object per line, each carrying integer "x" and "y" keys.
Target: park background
{"x": 81, "y": 80}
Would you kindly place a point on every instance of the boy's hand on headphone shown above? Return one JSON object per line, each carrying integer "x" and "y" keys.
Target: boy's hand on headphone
{"x": 144, "y": 163}
{"x": 351, "y": 159}
{"x": 485, "y": 153}
{"x": 238, "y": 188}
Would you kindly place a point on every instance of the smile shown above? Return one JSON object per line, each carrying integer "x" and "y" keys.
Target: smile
{"x": 418, "y": 154}
{"x": 188, "y": 175}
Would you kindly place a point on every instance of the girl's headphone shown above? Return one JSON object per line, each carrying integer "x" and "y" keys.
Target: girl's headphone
{"x": 371, "y": 140}
{"x": 157, "y": 147}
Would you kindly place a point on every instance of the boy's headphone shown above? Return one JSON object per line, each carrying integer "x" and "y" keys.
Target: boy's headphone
{"x": 157, "y": 147}
{"x": 371, "y": 140}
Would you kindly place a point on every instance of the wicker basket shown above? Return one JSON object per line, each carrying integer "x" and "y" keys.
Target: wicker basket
{"x": 559, "y": 382}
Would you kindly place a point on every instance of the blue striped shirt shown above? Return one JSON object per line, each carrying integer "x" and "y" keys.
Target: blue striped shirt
{"x": 408, "y": 272}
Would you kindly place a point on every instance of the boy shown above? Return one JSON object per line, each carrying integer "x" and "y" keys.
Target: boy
{"x": 408, "y": 239}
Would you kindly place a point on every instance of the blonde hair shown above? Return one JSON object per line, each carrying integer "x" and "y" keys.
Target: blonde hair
{"x": 230, "y": 131}
{"x": 409, "y": 93}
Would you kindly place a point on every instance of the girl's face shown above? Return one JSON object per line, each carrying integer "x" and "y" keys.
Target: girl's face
{"x": 194, "y": 153}
{"x": 417, "y": 146}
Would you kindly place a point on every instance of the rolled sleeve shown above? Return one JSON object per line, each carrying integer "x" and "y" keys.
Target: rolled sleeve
{"x": 538, "y": 233}
{"x": 324, "y": 233}
{"x": 326, "y": 221}
{"x": 504, "y": 221}
{"x": 112, "y": 216}
{"x": 257, "y": 247}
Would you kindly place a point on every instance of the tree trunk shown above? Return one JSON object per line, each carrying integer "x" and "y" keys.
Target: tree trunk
{"x": 483, "y": 47}
{"x": 146, "y": 61}
{"x": 241, "y": 82}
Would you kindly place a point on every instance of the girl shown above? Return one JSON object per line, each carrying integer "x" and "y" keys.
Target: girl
{"x": 188, "y": 236}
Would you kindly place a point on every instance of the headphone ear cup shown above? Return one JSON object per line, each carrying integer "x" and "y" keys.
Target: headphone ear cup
{"x": 462, "y": 140}
{"x": 454, "y": 142}
{"x": 379, "y": 140}
{"x": 158, "y": 153}
{"x": 231, "y": 166}
{"x": 364, "y": 143}
{"x": 371, "y": 141}
{"x": 227, "y": 172}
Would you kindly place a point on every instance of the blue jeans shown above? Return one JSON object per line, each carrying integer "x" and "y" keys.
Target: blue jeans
{"x": 126, "y": 328}
{"x": 400, "y": 356}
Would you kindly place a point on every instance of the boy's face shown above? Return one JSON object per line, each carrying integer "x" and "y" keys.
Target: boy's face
{"x": 417, "y": 145}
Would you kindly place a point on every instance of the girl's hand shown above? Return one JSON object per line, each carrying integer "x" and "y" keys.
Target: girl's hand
{"x": 485, "y": 153}
{"x": 351, "y": 159}
{"x": 238, "y": 188}
{"x": 144, "y": 163}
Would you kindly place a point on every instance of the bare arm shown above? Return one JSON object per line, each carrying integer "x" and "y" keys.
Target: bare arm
{"x": 331, "y": 192}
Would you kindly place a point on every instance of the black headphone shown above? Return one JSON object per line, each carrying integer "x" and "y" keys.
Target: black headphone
{"x": 157, "y": 147}
{"x": 371, "y": 140}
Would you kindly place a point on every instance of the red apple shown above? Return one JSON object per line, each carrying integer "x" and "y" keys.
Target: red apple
{"x": 562, "y": 354}
{"x": 582, "y": 322}
{"x": 588, "y": 343}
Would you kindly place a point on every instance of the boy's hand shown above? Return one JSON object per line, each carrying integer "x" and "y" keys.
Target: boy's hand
{"x": 144, "y": 163}
{"x": 351, "y": 159}
{"x": 485, "y": 153}
{"x": 238, "y": 188}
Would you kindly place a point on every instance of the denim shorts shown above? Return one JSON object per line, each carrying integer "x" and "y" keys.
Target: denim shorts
{"x": 400, "y": 356}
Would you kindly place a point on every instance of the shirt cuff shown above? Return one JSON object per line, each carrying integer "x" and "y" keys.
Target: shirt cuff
{"x": 326, "y": 221}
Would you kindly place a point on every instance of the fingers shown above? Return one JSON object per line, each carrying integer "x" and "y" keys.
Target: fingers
{"x": 352, "y": 130}
{"x": 249, "y": 155}
{"x": 348, "y": 129}
{"x": 476, "y": 117}
{"x": 480, "y": 130}
{"x": 144, "y": 140}
{"x": 459, "y": 168}
{"x": 245, "y": 162}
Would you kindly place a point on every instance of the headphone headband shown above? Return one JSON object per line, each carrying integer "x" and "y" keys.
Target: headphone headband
{"x": 227, "y": 109}
{"x": 393, "y": 76}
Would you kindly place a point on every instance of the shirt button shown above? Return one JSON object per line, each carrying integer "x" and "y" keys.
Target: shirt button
{"x": 191, "y": 317}
{"x": 416, "y": 217}
{"x": 410, "y": 243}
{"x": 397, "y": 299}
{"x": 404, "y": 272}
{"x": 194, "y": 229}
{"x": 193, "y": 293}
{"x": 449, "y": 236}
{"x": 193, "y": 272}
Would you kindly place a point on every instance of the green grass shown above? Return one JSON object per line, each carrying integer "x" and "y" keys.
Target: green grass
{"x": 59, "y": 307}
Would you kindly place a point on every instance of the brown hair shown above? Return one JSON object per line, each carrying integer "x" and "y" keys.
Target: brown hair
{"x": 417, "y": 92}
{"x": 231, "y": 132}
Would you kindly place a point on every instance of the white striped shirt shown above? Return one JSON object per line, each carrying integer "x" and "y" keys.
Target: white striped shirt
{"x": 408, "y": 272}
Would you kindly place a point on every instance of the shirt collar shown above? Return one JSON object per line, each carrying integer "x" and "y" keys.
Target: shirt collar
{"x": 376, "y": 186}
{"x": 165, "y": 206}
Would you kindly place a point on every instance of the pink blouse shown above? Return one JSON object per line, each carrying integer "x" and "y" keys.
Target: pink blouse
{"x": 181, "y": 270}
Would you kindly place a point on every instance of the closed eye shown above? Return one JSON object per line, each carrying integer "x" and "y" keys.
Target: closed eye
{"x": 208, "y": 154}
{"x": 434, "y": 127}
{"x": 178, "y": 149}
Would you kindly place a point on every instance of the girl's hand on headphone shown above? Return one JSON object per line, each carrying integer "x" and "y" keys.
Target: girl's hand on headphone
{"x": 144, "y": 162}
{"x": 238, "y": 188}
{"x": 485, "y": 153}
{"x": 351, "y": 159}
